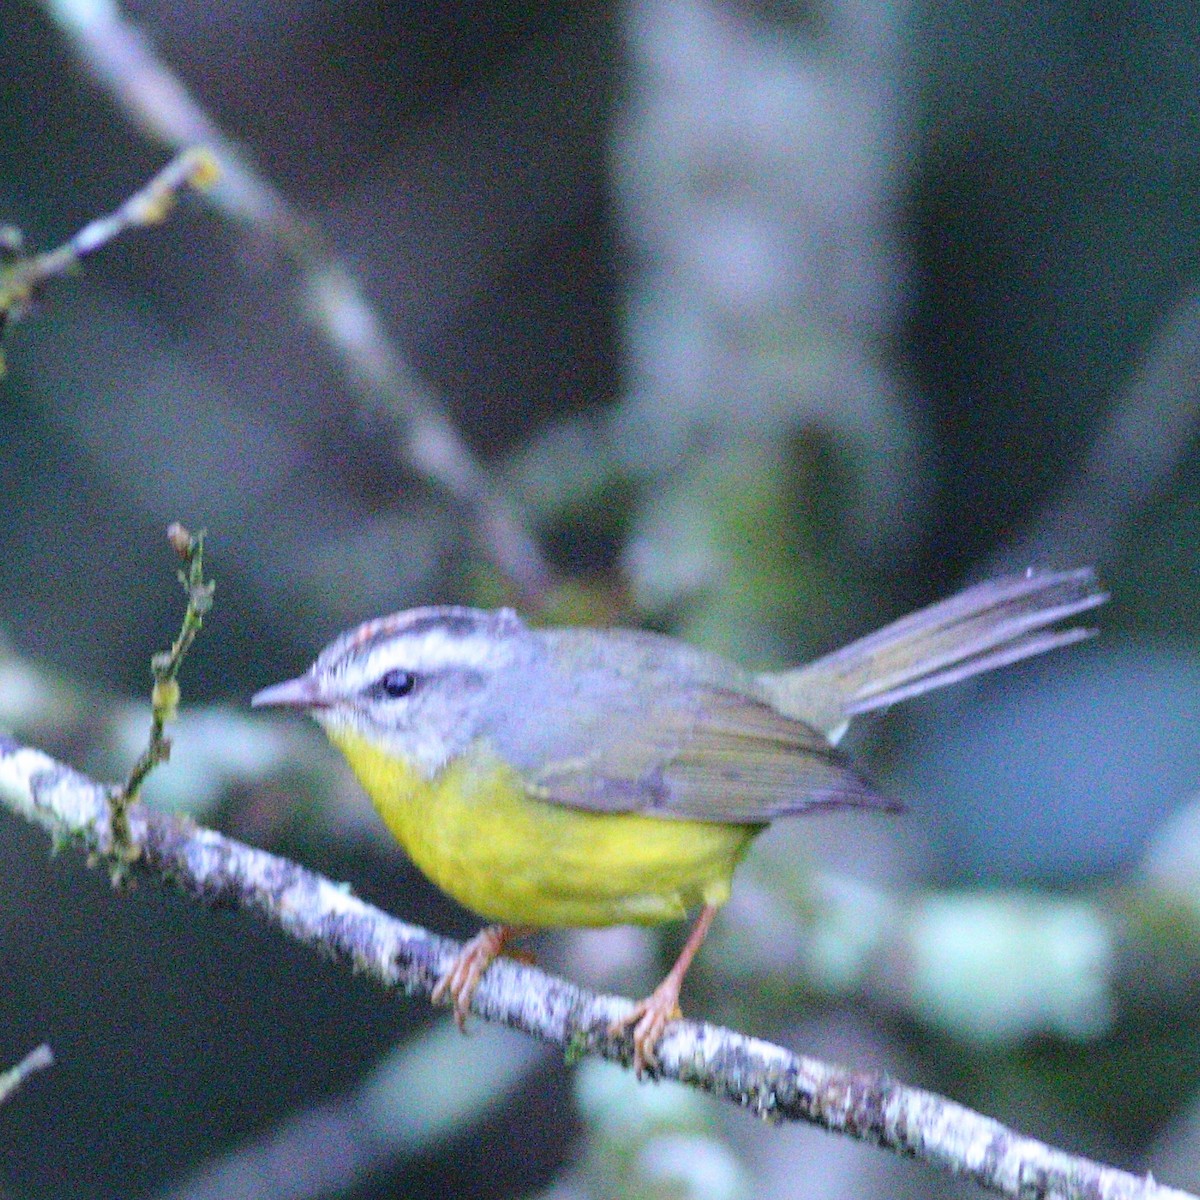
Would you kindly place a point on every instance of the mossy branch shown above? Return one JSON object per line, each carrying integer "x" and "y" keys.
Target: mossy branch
{"x": 767, "y": 1079}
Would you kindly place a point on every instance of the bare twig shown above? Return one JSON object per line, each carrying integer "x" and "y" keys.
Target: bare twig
{"x": 164, "y": 696}
{"x": 38, "y": 1059}
{"x": 126, "y": 66}
{"x": 23, "y": 276}
{"x": 767, "y": 1079}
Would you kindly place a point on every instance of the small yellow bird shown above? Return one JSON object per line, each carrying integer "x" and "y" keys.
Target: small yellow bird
{"x": 584, "y": 777}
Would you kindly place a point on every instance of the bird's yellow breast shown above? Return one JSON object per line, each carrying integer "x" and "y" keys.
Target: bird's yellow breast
{"x": 480, "y": 835}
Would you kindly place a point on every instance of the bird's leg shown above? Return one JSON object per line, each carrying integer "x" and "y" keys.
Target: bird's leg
{"x": 650, "y": 1017}
{"x": 461, "y": 980}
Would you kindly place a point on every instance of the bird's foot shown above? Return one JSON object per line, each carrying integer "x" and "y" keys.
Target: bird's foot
{"x": 649, "y": 1018}
{"x": 460, "y": 981}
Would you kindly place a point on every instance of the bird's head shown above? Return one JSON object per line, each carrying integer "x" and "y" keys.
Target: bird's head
{"x": 415, "y": 685}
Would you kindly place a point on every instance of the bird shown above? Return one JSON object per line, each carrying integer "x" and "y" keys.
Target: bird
{"x": 575, "y": 777}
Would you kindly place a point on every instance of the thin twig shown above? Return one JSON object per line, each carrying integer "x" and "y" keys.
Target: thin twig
{"x": 126, "y": 66}
{"x": 164, "y": 696}
{"x": 38, "y": 1059}
{"x": 769, "y": 1080}
{"x": 23, "y": 276}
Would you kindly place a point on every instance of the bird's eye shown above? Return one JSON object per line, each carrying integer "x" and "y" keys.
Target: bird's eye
{"x": 396, "y": 683}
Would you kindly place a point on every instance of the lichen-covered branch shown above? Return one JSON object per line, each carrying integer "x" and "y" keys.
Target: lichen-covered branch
{"x": 769, "y": 1080}
{"x": 127, "y": 67}
{"x": 993, "y": 967}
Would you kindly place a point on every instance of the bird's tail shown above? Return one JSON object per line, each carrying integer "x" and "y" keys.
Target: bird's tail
{"x": 989, "y": 625}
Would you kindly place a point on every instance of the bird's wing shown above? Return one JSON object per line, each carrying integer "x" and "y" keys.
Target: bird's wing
{"x": 709, "y": 755}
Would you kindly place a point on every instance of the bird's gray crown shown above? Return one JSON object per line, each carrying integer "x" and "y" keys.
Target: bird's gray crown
{"x": 438, "y": 636}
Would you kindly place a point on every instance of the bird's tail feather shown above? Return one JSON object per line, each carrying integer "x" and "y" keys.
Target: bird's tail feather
{"x": 989, "y": 625}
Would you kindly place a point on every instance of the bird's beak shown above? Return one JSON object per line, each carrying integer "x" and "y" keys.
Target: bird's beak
{"x": 303, "y": 692}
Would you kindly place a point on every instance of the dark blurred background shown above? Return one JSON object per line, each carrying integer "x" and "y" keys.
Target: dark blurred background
{"x": 776, "y": 320}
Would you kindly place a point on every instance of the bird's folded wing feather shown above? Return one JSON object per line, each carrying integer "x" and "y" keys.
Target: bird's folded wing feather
{"x": 712, "y": 755}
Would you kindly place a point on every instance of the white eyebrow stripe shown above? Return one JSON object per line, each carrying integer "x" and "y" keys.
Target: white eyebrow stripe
{"x": 432, "y": 651}
{"x": 436, "y": 649}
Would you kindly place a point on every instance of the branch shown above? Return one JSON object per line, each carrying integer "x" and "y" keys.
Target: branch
{"x": 126, "y": 66}
{"x": 1089, "y": 962}
{"x": 23, "y": 276}
{"x": 771, "y": 1081}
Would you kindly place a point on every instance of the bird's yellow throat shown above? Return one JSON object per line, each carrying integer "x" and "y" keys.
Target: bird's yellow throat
{"x": 478, "y": 833}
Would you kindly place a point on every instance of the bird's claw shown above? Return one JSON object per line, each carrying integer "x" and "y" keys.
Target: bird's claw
{"x": 458, "y": 984}
{"x": 649, "y": 1018}
{"x": 460, "y": 981}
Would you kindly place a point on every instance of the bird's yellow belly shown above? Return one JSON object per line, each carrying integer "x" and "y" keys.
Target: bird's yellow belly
{"x": 480, "y": 836}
